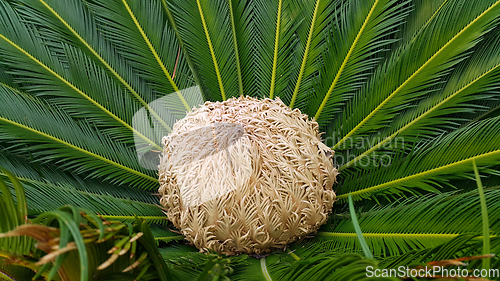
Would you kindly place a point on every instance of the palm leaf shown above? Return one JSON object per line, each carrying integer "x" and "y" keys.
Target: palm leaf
{"x": 327, "y": 266}
{"x": 431, "y": 165}
{"x": 364, "y": 26}
{"x": 466, "y": 245}
{"x": 217, "y": 30}
{"x": 420, "y": 64}
{"x": 422, "y": 14}
{"x": 188, "y": 265}
{"x": 25, "y": 169}
{"x": 312, "y": 49}
{"x": 211, "y": 31}
{"x": 471, "y": 83}
{"x": 54, "y": 136}
{"x": 133, "y": 26}
{"x": 26, "y": 58}
{"x": 81, "y": 30}
{"x": 412, "y": 224}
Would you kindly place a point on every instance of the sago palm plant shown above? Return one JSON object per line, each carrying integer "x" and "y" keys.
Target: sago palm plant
{"x": 405, "y": 92}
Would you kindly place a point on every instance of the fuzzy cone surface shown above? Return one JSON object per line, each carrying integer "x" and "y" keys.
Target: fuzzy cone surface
{"x": 246, "y": 176}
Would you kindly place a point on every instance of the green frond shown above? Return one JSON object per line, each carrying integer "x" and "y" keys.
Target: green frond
{"x": 430, "y": 166}
{"x": 313, "y": 47}
{"x": 327, "y": 266}
{"x": 275, "y": 52}
{"x": 29, "y": 171}
{"x": 150, "y": 48}
{"x": 81, "y": 31}
{"x": 468, "y": 85}
{"x": 415, "y": 223}
{"x": 279, "y": 30}
{"x": 422, "y": 14}
{"x": 205, "y": 28}
{"x": 237, "y": 46}
{"x": 6, "y": 79}
{"x": 27, "y": 58}
{"x": 347, "y": 62}
{"x": 165, "y": 235}
{"x": 306, "y": 53}
{"x": 467, "y": 245}
{"x": 53, "y": 136}
{"x": 419, "y": 65}
{"x": 236, "y": 49}
{"x": 186, "y": 264}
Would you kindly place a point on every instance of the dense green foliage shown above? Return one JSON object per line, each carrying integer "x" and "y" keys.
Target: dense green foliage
{"x": 406, "y": 91}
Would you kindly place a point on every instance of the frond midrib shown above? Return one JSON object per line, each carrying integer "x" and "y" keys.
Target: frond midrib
{"x": 275, "y": 53}
{"x": 99, "y": 157}
{"x": 132, "y": 217}
{"x": 344, "y": 62}
{"x": 418, "y": 175}
{"x": 306, "y": 53}
{"x": 170, "y": 238}
{"x": 387, "y": 235}
{"x": 80, "y": 92}
{"x": 155, "y": 54}
{"x": 420, "y": 117}
{"x": 386, "y": 100}
{"x": 429, "y": 20}
{"x": 106, "y": 64}
{"x": 236, "y": 51}
{"x": 83, "y": 193}
{"x": 212, "y": 52}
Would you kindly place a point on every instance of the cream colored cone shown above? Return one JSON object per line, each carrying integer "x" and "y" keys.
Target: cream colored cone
{"x": 246, "y": 176}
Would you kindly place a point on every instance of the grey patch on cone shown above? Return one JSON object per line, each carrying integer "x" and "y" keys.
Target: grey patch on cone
{"x": 212, "y": 151}
{"x": 157, "y": 120}
{"x": 210, "y": 140}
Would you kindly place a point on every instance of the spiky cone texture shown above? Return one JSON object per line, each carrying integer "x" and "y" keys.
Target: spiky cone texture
{"x": 246, "y": 176}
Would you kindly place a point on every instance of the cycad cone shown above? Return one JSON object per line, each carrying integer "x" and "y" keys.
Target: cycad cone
{"x": 246, "y": 176}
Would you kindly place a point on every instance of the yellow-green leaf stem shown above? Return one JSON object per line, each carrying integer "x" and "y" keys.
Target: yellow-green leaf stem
{"x": 212, "y": 52}
{"x": 306, "y": 53}
{"x": 147, "y": 218}
{"x": 155, "y": 54}
{"x": 420, "y": 69}
{"x": 55, "y": 74}
{"x": 169, "y": 238}
{"x": 236, "y": 52}
{"x": 106, "y": 64}
{"x": 344, "y": 63}
{"x": 416, "y": 176}
{"x": 387, "y": 235}
{"x": 429, "y": 20}
{"x": 276, "y": 47}
{"x": 434, "y": 108}
{"x": 99, "y": 157}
